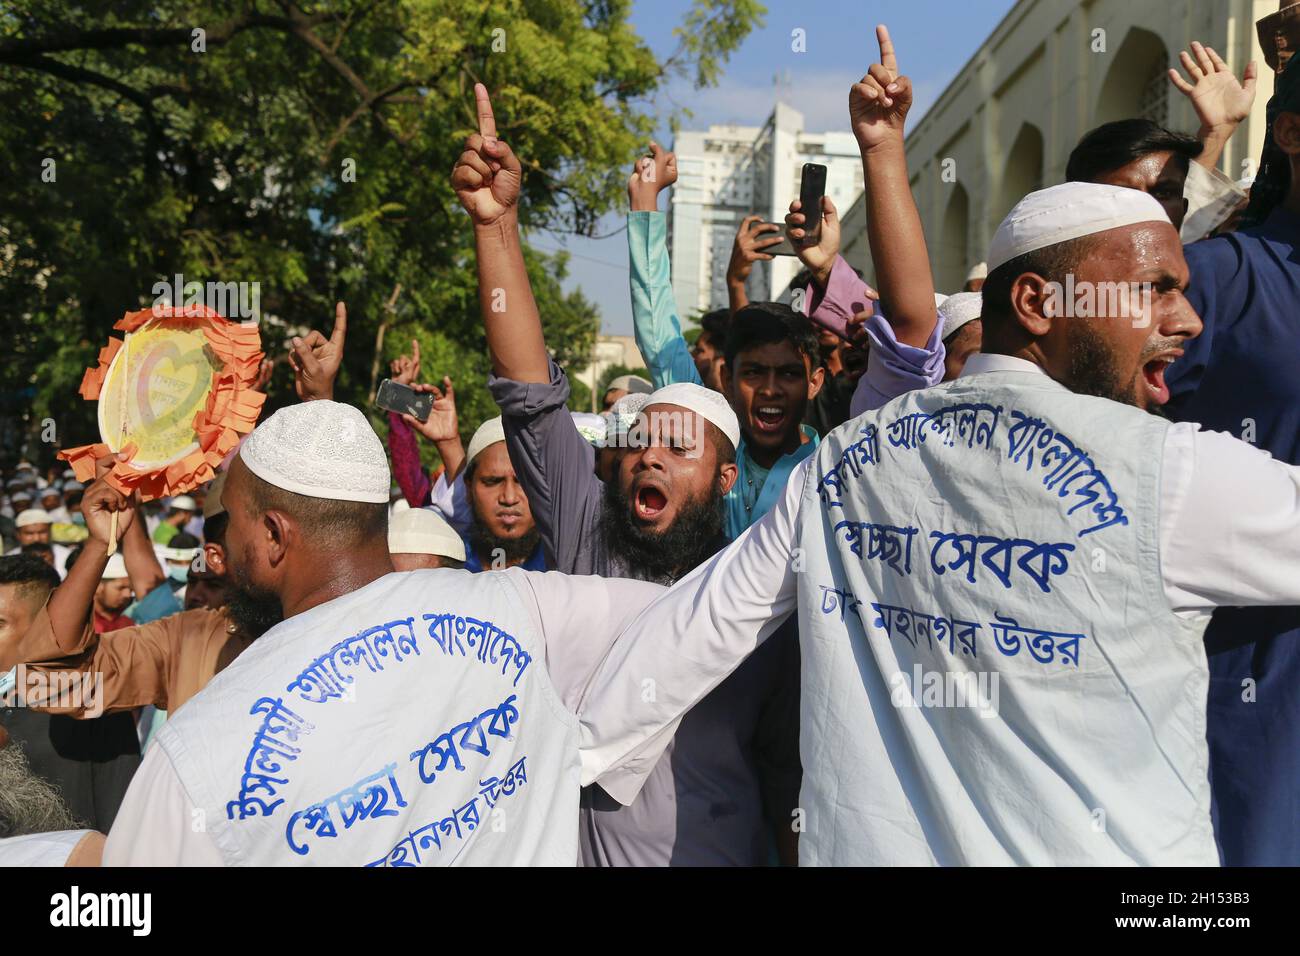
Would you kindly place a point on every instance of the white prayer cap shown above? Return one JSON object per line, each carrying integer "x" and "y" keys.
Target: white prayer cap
{"x": 116, "y": 568}
{"x": 33, "y": 516}
{"x": 489, "y": 433}
{"x": 421, "y": 531}
{"x": 176, "y": 554}
{"x": 622, "y": 416}
{"x": 320, "y": 449}
{"x": 703, "y": 401}
{"x": 183, "y": 503}
{"x": 630, "y": 383}
{"x": 1069, "y": 211}
{"x": 591, "y": 427}
{"x": 959, "y": 309}
{"x": 55, "y": 490}
{"x": 978, "y": 271}
{"x": 72, "y": 485}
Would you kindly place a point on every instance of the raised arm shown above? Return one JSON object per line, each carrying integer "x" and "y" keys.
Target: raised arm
{"x": 1220, "y": 101}
{"x": 487, "y": 179}
{"x": 142, "y": 565}
{"x": 315, "y": 360}
{"x": 878, "y": 107}
{"x": 654, "y": 311}
{"x": 753, "y": 238}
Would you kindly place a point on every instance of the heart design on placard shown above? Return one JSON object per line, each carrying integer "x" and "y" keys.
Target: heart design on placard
{"x": 167, "y": 358}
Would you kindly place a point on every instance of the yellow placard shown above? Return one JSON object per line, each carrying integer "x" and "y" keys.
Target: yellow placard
{"x": 158, "y": 381}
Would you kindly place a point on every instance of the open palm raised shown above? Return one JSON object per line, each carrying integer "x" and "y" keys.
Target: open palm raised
{"x": 878, "y": 104}
{"x": 487, "y": 175}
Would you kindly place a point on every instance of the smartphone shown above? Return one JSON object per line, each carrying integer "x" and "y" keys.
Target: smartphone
{"x": 812, "y": 187}
{"x": 782, "y": 248}
{"x": 403, "y": 399}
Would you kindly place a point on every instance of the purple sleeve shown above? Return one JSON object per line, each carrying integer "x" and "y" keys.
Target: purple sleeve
{"x": 846, "y": 295}
{"x": 894, "y": 368}
{"x": 407, "y": 470}
{"x": 450, "y": 502}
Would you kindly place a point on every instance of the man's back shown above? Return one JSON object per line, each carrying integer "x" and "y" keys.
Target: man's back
{"x": 406, "y": 723}
{"x": 992, "y": 673}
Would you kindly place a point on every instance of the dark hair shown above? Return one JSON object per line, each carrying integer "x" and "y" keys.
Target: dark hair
{"x": 1112, "y": 145}
{"x": 33, "y": 576}
{"x": 1052, "y": 263}
{"x": 214, "y": 528}
{"x": 73, "y": 554}
{"x": 328, "y": 522}
{"x": 182, "y": 539}
{"x": 716, "y": 325}
{"x": 768, "y": 323}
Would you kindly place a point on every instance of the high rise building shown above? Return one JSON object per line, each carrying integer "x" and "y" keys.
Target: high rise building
{"x": 728, "y": 172}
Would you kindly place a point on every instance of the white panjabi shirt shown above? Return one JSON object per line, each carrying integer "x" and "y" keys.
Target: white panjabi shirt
{"x": 424, "y": 719}
{"x": 1227, "y": 531}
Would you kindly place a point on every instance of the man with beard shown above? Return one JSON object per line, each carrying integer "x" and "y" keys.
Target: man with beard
{"x": 1005, "y": 579}
{"x": 162, "y": 663}
{"x": 36, "y": 826}
{"x": 728, "y": 787}
{"x": 390, "y": 718}
{"x": 91, "y": 761}
{"x": 503, "y": 533}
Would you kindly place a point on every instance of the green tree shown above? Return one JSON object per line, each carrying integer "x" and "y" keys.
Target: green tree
{"x": 305, "y": 147}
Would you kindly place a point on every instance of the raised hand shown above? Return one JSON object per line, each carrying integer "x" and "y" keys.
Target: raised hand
{"x": 819, "y": 256}
{"x": 443, "y": 424}
{"x": 101, "y": 500}
{"x": 316, "y": 359}
{"x": 878, "y": 104}
{"x": 651, "y": 175}
{"x": 1216, "y": 95}
{"x": 406, "y": 368}
{"x": 752, "y": 238}
{"x": 487, "y": 175}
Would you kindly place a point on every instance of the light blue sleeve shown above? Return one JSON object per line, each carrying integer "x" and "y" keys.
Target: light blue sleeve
{"x": 893, "y": 368}
{"x": 654, "y": 314}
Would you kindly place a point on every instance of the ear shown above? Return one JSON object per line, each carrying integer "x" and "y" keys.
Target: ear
{"x": 279, "y": 531}
{"x": 1286, "y": 133}
{"x": 724, "y": 376}
{"x": 214, "y": 556}
{"x": 815, "y": 382}
{"x": 727, "y": 475}
{"x": 1034, "y": 302}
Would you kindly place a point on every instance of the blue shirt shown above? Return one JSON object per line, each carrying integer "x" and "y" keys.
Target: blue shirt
{"x": 536, "y": 561}
{"x": 1242, "y": 376}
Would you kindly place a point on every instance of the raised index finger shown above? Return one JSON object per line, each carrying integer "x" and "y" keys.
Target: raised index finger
{"x": 340, "y": 324}
{"x": 487, "y": 123}
{"x": 887, "y": 58}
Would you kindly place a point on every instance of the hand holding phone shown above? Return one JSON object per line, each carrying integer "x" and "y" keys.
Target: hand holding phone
{"x": 404, "y": 400}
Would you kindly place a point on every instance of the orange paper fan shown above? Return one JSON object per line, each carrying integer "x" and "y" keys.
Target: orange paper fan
{"x": 175, "y": 394}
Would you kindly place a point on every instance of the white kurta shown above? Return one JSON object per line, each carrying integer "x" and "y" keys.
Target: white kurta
{"x": 427, "y": 718}
{"x": 1227, "y": 530}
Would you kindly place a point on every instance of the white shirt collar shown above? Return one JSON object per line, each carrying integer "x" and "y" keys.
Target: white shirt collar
{"x": 986, "y": 362}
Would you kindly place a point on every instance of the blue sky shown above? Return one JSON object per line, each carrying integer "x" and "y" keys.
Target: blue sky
{"x": 933, "y": 38}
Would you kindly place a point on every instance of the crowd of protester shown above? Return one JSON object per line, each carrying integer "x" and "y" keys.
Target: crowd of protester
{"x": 699, "y": 693}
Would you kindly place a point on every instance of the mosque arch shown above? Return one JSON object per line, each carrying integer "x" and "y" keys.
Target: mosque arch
{"x": 1023, "y": 172}
{"x": 951, "y": 255}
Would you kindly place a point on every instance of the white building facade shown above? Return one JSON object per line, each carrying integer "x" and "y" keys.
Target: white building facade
{"x": 729, "y": 172}
{"x": 1051, "y": 71}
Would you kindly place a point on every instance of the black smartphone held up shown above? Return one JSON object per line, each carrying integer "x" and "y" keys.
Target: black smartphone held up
{"x": 812, "y": 187}
{"x": 403, "y": 399}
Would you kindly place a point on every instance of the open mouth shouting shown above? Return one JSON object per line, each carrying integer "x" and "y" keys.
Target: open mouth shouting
{"x": 770, "y": 419}
{"x": 649, "y": 501}
{"x": 1153, "y": 375}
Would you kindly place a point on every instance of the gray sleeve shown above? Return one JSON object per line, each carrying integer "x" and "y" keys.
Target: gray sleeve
{"x": 555, "y": 466}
